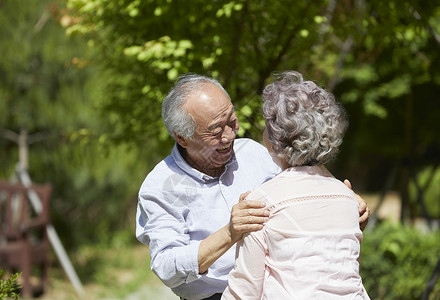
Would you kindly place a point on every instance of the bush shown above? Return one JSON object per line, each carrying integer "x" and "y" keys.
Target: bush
{"x": 8, "y": 287}
{"x": 397, "y": 261}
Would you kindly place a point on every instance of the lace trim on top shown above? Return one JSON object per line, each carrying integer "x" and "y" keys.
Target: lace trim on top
{"x": 277, "y": 206}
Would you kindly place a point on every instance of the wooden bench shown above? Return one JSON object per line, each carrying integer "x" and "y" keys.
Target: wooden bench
{"x": 24, "y": 245}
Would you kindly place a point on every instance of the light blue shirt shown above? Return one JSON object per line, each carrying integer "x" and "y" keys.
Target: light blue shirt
{"x": 178, "y": 207}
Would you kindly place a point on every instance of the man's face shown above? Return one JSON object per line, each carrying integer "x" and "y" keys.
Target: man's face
{"x": 217, "y": 125}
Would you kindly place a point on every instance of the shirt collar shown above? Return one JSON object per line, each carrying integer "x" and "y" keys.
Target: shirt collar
{"x": 185, "y": 167}
{"x": 319, "y": 170}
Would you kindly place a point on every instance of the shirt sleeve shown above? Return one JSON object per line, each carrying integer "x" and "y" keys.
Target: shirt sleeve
{"x": 174, "y": 259}
{"x": 246, "y": 280}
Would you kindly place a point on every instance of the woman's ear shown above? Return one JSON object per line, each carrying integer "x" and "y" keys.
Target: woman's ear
{"x": 180, "y": 140}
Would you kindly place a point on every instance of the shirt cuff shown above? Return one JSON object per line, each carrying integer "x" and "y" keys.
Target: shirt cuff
{"x": 188, "y": 263}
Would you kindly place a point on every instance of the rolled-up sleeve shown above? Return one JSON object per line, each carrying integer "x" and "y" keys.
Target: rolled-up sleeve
{"x": 174, "y": 257}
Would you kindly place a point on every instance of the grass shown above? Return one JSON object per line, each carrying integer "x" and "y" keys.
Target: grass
{"x": 105, "y": 273}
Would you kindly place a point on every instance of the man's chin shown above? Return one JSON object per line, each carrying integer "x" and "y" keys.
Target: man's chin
{"x": 222, "y": 158}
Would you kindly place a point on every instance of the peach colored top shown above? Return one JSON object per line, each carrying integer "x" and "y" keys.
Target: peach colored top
{"x": 310, "y": 247}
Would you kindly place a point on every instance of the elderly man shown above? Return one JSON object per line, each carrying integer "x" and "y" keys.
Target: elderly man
{"x": 188, "y": 210}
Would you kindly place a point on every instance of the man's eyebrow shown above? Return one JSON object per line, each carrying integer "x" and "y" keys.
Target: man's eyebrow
{"x": 217, "y": 124}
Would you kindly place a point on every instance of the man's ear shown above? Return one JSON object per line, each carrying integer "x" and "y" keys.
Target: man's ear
{"x": 180, "y": 140}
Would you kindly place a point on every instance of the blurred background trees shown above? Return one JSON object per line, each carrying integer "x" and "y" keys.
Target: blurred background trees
{"x": 84, "y": 79}
{"x": 380, "y": 59}
{"x": 49, "y": 90}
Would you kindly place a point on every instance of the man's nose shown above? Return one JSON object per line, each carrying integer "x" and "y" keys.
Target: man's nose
{"x": 228, "y": 135}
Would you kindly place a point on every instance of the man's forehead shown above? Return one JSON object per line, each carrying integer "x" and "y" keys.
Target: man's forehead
{"x": 206, "y": 88}
{"x": 207, "y": 99}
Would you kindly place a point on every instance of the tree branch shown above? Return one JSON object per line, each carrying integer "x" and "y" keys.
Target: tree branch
{"x": 434, "y": 34}
{"x": 236, "y": 47}
{"x": 272, "y": 64}
{"x": 328, "y": 16}
{"x": 41, "y": 22}
{"x": 36, "y": 137}
{"x": 10, "y": 135}
{"x": 346, "y": 47}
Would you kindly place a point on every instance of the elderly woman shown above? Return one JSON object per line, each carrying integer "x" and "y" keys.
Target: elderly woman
{"x": 310, "y": 247}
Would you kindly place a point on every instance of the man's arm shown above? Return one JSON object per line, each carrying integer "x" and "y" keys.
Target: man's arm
{"x": 173, "y": 258}
{"x": 364, "y": 211}
{"x": 246, "y": 216}
{"x": 169, "y": 240}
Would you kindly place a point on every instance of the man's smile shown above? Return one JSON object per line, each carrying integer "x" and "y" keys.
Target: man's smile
{"x": 225, "y": 148}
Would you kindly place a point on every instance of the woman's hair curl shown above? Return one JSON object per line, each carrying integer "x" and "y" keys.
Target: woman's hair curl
{"x": 304, "y": 123}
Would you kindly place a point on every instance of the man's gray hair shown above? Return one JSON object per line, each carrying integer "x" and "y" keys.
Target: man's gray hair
{"x": 175, "y": 116}
{"x": 304, "y": 122}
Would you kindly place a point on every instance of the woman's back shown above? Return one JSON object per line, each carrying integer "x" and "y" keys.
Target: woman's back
{"x": 310, "y": 247}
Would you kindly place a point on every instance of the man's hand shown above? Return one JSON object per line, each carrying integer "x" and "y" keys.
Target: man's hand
{"x": 247, "y": 216}
{"x": 364, "y": 211}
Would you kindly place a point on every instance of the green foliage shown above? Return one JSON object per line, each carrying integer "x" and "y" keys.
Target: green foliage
{"x": 41, "y": 75}
{"x": 154, "y": 41}
{"x": 427, "y": 181}
{"x": 98, "y": 108}
{"x": 42, "y": 79}
{"x": 394, "y": 53}
{"x": 9, "y": 287}
{"x": 109, "y": 272}
{"x": 379, "y": 58}
{"x": 397, "y": 262}
{"x": 148, "y": 43}
{"x": 50, "y": 88}
{"x": 97, "y": 189}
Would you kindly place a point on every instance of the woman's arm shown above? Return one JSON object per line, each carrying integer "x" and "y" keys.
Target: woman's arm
{"x": 247, "y": 278}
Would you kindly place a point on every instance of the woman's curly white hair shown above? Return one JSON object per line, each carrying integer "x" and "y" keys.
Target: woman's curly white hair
{"x": 304, "y": 123}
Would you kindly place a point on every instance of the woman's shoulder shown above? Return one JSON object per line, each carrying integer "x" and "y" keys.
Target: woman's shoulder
{"x": 270, "y": 191}
{"x": 297, "y": 186}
